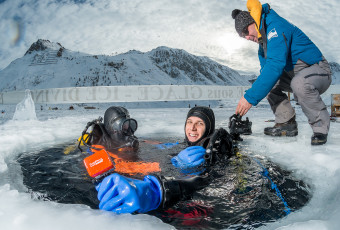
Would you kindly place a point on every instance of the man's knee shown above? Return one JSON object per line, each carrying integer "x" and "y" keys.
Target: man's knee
{"x": 276, "y": 96}
{"x": 299, "y": 87}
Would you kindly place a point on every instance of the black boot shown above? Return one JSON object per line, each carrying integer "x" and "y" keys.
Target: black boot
{"x": 288, "y": 128}
{"x": 319, "y": 139}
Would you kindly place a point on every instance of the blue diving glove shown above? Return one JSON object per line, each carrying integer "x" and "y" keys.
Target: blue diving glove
{"x": 89, "y": 151}
{"x": 121, "y": 194}
{"x": 166, "y": 145}
{"x": 190, "y": 157}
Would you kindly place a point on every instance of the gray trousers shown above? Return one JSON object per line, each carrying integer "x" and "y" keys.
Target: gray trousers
{"x": 307, "y": 84}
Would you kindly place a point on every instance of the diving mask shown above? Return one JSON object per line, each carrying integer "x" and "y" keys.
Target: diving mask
{"x": 127, "y": 126}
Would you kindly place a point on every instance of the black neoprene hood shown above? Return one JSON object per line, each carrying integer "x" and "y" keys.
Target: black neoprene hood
{"x": 208, "y": 117}
{"x": 112, "y": 114}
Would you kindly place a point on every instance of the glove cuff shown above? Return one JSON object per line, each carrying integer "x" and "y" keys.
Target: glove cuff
{"x": 175, "y": 190}
{"x": 156, "y": 187}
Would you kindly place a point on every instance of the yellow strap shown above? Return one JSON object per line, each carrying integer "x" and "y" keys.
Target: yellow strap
{"x": 70, "y": 149}
{"x": 85, "y": 136}
{"x": 255, "y": 10}
{"x": 238, "y": 154}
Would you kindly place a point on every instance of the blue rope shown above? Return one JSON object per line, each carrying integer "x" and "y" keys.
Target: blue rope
{"x": 265, "y": 173}
{"x": 166, "y": 145}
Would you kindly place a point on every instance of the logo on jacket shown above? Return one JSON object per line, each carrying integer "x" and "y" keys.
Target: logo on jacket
{"x": 272, "y": 34}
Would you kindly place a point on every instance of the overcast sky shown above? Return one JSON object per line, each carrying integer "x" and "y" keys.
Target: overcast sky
{"x": 201, "y": 27}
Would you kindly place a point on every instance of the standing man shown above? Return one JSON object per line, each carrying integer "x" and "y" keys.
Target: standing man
{"x": 290, "y": 62}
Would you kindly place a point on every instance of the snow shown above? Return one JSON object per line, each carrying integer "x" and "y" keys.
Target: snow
{"x": 25, "y": 110}
{"x": 201, "y": 27}
{"x": 41, "y": 67}
{"x": 317, "y": 165}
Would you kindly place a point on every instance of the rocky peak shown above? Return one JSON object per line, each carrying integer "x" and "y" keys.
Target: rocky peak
{"x": 42, "y": 44}
{"x": 335, "y": 67}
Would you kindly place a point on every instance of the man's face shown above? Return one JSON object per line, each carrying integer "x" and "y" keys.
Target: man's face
{"x": 194, "y": 128}
{"x": 251, "y": 33}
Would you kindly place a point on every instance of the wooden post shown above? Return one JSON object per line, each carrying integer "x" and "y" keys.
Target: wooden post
{"x": 335, "y": 105}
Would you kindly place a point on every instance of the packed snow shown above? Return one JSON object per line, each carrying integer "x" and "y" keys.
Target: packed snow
{"x": 203, "y": 28}
{"x": 317, "y": 165}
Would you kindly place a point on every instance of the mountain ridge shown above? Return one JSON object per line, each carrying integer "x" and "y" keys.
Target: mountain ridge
{"x": 50, "y": 65}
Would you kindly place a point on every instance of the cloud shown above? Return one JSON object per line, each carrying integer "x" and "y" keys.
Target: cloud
{"x": 200, "y": 27}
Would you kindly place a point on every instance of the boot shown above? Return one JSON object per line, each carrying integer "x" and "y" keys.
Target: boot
{"x": 288, "y": 128}
{"x": 319, "y": 139}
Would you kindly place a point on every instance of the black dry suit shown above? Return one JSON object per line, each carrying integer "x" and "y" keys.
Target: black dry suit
{"x": 116, "y": 132}
{"x": 219, "y": 147}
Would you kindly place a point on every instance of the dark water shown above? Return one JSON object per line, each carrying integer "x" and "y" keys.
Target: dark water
{"x": 240, "y": 196}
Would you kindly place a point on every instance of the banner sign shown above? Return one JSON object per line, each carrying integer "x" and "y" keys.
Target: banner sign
{"x": 133, "y": 93}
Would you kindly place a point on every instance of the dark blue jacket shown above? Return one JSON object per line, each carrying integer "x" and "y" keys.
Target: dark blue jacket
{"x": 283, "y": 45}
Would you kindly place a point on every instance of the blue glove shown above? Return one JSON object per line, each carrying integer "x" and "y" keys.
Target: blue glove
{"x": 121, "y": 194}
{"x": 190, "y": 157}
{"x": 166, "y": 145}
{"x": 89, "y": 151}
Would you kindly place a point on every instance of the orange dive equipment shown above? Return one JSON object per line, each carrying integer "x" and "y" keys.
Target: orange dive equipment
{"x": 102, "y": 163}
{"x": 98, "y": 164}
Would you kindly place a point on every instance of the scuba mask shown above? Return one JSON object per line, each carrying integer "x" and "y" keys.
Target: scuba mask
{"x": 117, "y": 130}
{"x": 122, "y": 133}
{"x": 120, "y": 126}
{"x": 127, "y": 126}
{"x": 117, "y": 119}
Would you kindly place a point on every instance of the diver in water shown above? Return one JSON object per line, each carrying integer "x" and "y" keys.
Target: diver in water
{"x": 116, "y": 132}
{"x": 113, "y": 146}
{"x": 206, "y": 147}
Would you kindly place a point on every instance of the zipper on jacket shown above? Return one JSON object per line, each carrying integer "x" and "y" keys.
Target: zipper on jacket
{"x": 283, "y": 34}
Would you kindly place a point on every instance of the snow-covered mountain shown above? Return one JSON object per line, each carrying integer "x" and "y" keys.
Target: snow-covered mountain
{"x": 50, "y": 65}
{"x": 335, "y": 67}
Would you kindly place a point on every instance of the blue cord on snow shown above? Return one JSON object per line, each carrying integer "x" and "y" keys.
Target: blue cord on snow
{"x": 265, "y": 173}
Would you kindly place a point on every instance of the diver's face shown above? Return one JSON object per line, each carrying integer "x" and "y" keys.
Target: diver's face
{"x": 194, "y": 128}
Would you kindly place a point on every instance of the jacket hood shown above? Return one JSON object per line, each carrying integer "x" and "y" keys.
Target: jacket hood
{"x": 255, "y": 10}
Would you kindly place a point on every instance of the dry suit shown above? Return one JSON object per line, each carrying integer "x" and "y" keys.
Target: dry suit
{"x": 157, "y": 191}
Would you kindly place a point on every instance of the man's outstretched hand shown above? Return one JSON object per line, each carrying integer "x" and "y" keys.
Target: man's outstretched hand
{"x": 243, "y": 106}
